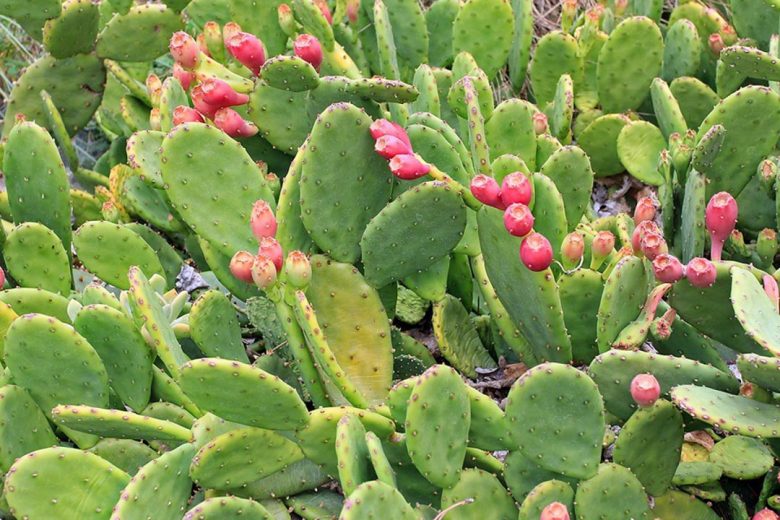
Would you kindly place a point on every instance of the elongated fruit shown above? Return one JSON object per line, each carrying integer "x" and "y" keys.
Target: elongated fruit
{"x": 720, "y": 219}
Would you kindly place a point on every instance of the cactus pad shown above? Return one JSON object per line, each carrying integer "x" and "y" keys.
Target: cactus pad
{"x": 614, "y": 493}
{"x": 23, "y": 427}
{"x": 569, "y": 168}
{"x": 491, "y": 501}
{"x": 543, "y": 495}
{"x": 35, "y": 258}
{"x": 754, "y": 310}
{"x": 153, "y": 23}
{"x": 639, "y": 148}
{"x": 599, "y": 140}
{"x": 127, "y": 455}
{"x": 741, "y": 457}
{"x": 374, "y": 500}
{"x": 117, "y": 424}
{"x": 557, "y": 53}
{"x": 225, "y": 508}
{"x": 624, "y": 295}
{"x": 73, "y": 31}
{"x": 214, "y": 327}
{"x": 484, "y": 28}
{"x": 352, "y": 452}
{"x": 458, "y": 340}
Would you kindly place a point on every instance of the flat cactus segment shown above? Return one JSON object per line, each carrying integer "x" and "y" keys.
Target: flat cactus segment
{"x": 73, "y": 31}
{"x": 556, "y": 54}
{"x": 743, "y": 147}
{"x": 510, "y": 130}
{"x": 351, "y": 314}
{"x": 195, "y": 153}
{"x": 628, "y": 62}
{"x": 75, "y": 85}
{"x": 242, "y": 393}
{"x": 614, "y": 370}
{"x": 763, "y": 371}
{"x": 484, "y": 28}
{"x": 423, "y": 225}
{"x": 281, "y": 116}
{"x": 520, "y": 52}
{"x": 581, "y": 293}
{"x": 143, "y": 154}
{"x": 458, "y": 340}
{"x": 160, "y": 490}
{"x": 531, "y": 299}
{"x": 410, "y": 35}
{"x": 435, "y": 147}
{"x": 375, "y": 500}
{"x": 754, "y": 310}
{"x": 355, "y": 465}
{"x": 562, "y": 110}
{"x": 339, "y": 160}
{"x": 296, "y": 478}
{"x": 437, "y": 428}
{"x": 599, "y": 140}
{"x": 624, "y": 295}
{"x": 169, "y": 258}
{"x": 31, "y": 15}
{"x": 242, "y": 456}
{"x": 742, "y": 458}
{"x": 117, "y": 424}
{"x": 229, "y": 508}
{"x": 682, "y": 51}
{"x": 731, "y": 413}
{"x": 425, "y": 83}
{"x": 569, "y": 168}
{"x": 214, "y": 327}
{"x": 125, "y": 354}
{"x": 23, "y": 300}
{"x": 315, "y": 505}
{"x": 751, "y": 62}
{"x": 639, "y": 147}
{"x": 541, "y": 409}
{"x": 23, "y": 427}
{"x": 93, "y": 486}
{"x": 686, "y": 341}
{"x": 614, "y": 493}
{"x": 695, "y": 98}
{"x": 290, "y": 73}
{"x": 154, "y": 23}
{"x": 694, "y": 235}
{"x": 36, "y": 180}
{"x": 439, "y": 18}
{"x": 696, "y": 472}
{"x": 291, "y": 233}
{"x": 667, "y": 110}
{"x": 219, "y": 263}
{"x": 34, "y": 256}
{"x": 550, "y": 211}
{"x": 522, "y": 475}
{"x": 676, "y": 504}
{"x": 109, "y": 250}
{"x": 756, "y": 20}
{"x": 260, "y": 19}
{"x": 379, "y": 461}
{"x": 491, "y": 500}
{"x": 172, "y": 96}
{"x": 649, "y": 444}
{"x": 127, "y": 455}
{"x": 543, "y": 495}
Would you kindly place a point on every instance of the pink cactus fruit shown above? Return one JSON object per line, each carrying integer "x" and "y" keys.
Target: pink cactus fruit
{"x": 241, "y": 266}
{"x": 645, "y": 210}
{"x": 219, "y": 93}
{"x": 720, "y": 218}
{"x": 263, "y": 272}
{"x": 184, "y": 114}
{"x": 516, "y": 188}
{"x": 389, "y": 146}
{"x": 536, "y": 252}
{"x": 555, "y": 511}
{"x": 668, "y": 268}
{"x": 645, "y": 389}
{"x": 184, "y": 49}
{"x": 486, "y": 190}
{"x": 408, "y": 167}
{"x": 518, "y": 219}
{"x": 701, "y": 273}
{"x": 231, "y": 122}
{"x": 271, "y": 248}
{"x": 262, "y": 220}
{"x": 308, "y": 48}
{"x": 248, "y": 50}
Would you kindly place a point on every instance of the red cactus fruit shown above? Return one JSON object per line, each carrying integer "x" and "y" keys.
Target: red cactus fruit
{"x": 648, "y": 226}
{"x": 486, "y": 190}
{"x": 262, "y": 220}
{"x": 199, "y": 102}
{"x": 231, "y": 122}
{"x": 555, "y": 511}
{"x": 308, "y": 48}
{"x": 772, "y": 291}
{"x": 645, "y": 389}
{"x": 720, "y": 218}
{"x": 536, "y": 252}
{"x": 540, "y": 123}
{"x": 184, "y": 76}
{"x": 408, "y": 167}
{"x": 382, "y": 127}
{"x": 184, "y": 49}
{"x": 518, "y": 220}
{"x": 603, "y": 244}
{"x": 516, "y": 188}
{"x": 219, "y": 93}
{"x": 667, "y": 268}
{"x": 271, "y": 248}
{"x": 248, "y": 50}
{"x": 241, "y": 266}
{"x": 701, "y": 273}
{"x": 766, "y": 514}
{"x": 263, "y": 272}
{"x": 572, "y": 249}
{"x": 185, "y": 114}
{"x": 389, "y": 146}
{"x": 645, "y": 210}
{"x": 653, "y": 244}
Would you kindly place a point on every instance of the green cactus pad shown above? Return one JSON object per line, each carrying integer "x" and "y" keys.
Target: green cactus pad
{"x": 154, "y": 23}
{"x": 543, "y": 495}
{"x": 754, "y": 310}
{"x": 93, "y": 485}
{"x": 562, "y": 110}
{"x": 557, "y": 53}
{"x": 614, "y": 370}
{"x": 751, "y": 62}
{"x": 172, "y": 96}
{"x": 491, "y": 501}
{"x": 296, "y": 478}
{"x": 352, "y": 452}
{"x": 169, "y": 257}
{"x": 549, "y": 209}
{"x": 521, "y": 42}
{"x": 435, "y": 148}
{"x": 624, "y": 295}
{"x": 686, "y": 341}
{"x": 214, "y": 327}
{"x": 458, "y": 340}
{"x": 127, "y": 455}
{"x": 436, "y": 451}
{"x": 109, "y": 250}
{"x": 316, "y": 505}
{"x": 25, "y": 301}
{"x": 484, "y": 28}
{"x": 581, "y": 293}
{"x": 693, "y": 234}
{"x": 73, "y": 31}
{"x": 569, "y": 168}
{"x": 522, "y": 475}
{"x": 143, "y": 154}
{"x": 628, "y": 62}
{"x": 194, "y": 152}
{"x": 741, "y": 457}
{"x": 148, "y": 203}
{"x": 682, "y": 51}
{"x": 259, "y": 19}
{"x": 599, "y": 140}
{"x": 244, "y": 394}
{"x": 125, "y": 354}
{"x": 85, "y": 207}
{"x": 242, "y": 456}
{"x": 291, "y": 233}
{"x": 227, "y": 508}
{"x": 75, "y": 85}
{"x": 23, "y": 427}
{"x": 439, "y": 18}
{"x": 219, "y": 263}
{"x": 649, "y": 445}
{"x": 676, "y": 504}
{"x": 696, "y": 472}
{"x": 117, "y": 424}
{"x": 379, "y": 461}
{"x": 280, "y": 115}
{"x": 435, "y": 123}
{"x": 614, "y": 493}
{"x": 639, "y": 147}
{"x": 355, "y": 323}
{"x": 425, "y": 83}
{"x": 290, "y": 73}
{"x": 537, "y": 411}
{"x": 763, "y": 371}
{"x": 165, "y": 389}
{"x": 667, "y": 110}
{"x": 31, "y": 15}
{"x": 160, "y": 490}
{"x": 34, "y": 257}
{"x": 374, "y": 500}
{"x": 510, "y": 130}
{"x": 695, "y": 98}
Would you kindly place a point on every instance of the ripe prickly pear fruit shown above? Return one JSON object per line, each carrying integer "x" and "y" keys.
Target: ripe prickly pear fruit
{"x": 185, "y": 114}
{"x": 653, "y": 244}
{"x": 287, "y": 20}
{"x": 516, "y": 188}
{"x": 231, "y": 122}
{"x": 536, "y": 252}
{"x": 353, "y": 9}
{"x": 382, "y": 127}
{"x": 648, "y": 226}
{"x": 263, "y": 272}
{"x": 155, "y": 119}
{"x": 297, "y": 268}
{"x": 720, "y": 219}
{"x": 308, "y": 48}
{"x": 184, "y": 76}
{"x": 389, "y": 146}
{"x": 184, "y": 49}
{"x": 241, "y": 266}
{"x": 602, "y": 246}
{"x": 262, "y": 221}
{"x": 248, "y": 50}
{"x": 540, "y": 123}
{"x": 408, "y": 167}
{"x": 771, "y": 290}
{"x": 555, "y": 511}
{"x": 229, "y": 30}
{"x": 716, "y": 44}
{"x": 220, "y": 94}
{"x": 200, "y": 104}
{"x": 154, "y": 88}
{"x": 645, "y": 210}
{"x": 572, "y": 250}
{"x": 486, "y": 190}
{"x": 271, "y": 248}
{"x": 325, "y": 10}
{"x": 667, "y": 268}
{"x": 518, "y": 220}
{"x": 701, "y": 272}
{"x": 645, "y": 389}
{"x": 766, "y": 514}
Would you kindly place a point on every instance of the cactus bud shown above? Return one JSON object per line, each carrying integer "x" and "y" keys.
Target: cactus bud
{"x": 287, "y": 20}
{"x": 770, "y": 288}
{"x": 184, "y": 76}
{"x": 231, "y": 122}
{"x": 653, "y": 244}
{"x": 667, "y": 268}
{"x": 248, "y": 50}
{"x": 382, "y": 127}
{"x": 568, "y": 12}
{"x": 219, "y": 93}
{"x": 555, "y": 511}
{"x": 262, "y": 221}
{"x": 572, "y": 250}
{"x": 720, "y": 218}
{"x": 325, "y": 10}
{"x": 486, "y": 190}
{"x": 536, "y": 252}
{"x": 766, "y": 514}
{"x": 518, "y": 220}
{"x": 308, "y": 48}
{"x": 389, "y": 146}
{"x": 185, "y": 114}
{"x": 766, "y": 246}
{"x": 2, "y": 278}
{"x": 212, "y": 34}
{"x": 620, "y": 7}
{"x": 540, "y": 123}
{"x": 408, "y": 167}
{"x": 263, "y": 272}
{"x": 516, "y": 188}
{"x": 241, "y": 266}
{"x": 297, "y": 269}
{"x": 648, "y": 226}
{"x": 271, "y": 248}
{"x": 701, "y": 273}
{"x": 767, "y": 173}
{"x": 715, "y": 41}
{"x": 274, "y": 183}
{"x": 645, "y": 389}
{"x": 199, "y": 102}
{"x": 154, "y": 88}
{"x": 353, "y": 9}
{"x": 155, "y": 119}
{"x": 602, "y": 246}
{"x": 184, "y": 49}
{"x": 202, "y": 45}
{"x": 645, "y": 210}
{"x": 661, "y": 328}
{"x": 229, "y": 30}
